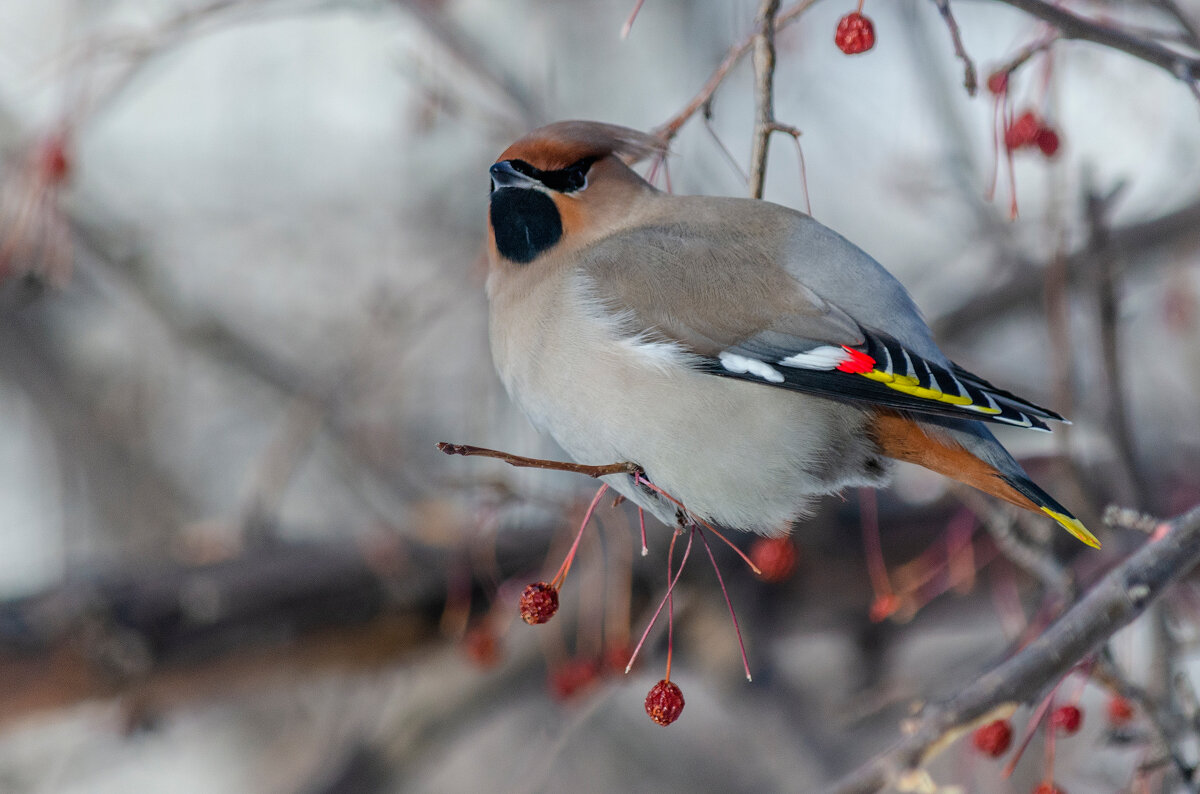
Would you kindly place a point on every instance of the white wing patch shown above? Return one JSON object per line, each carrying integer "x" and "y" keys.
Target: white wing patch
{"x": 741, "y": 364}
{"x": 823, "y": 357}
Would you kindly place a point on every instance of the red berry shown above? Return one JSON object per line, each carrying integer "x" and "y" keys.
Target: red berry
{"x": 883, "y": 607}
{"x": 1047, "y": 141}
{"x": 997, "y": 82}
{"x": 539, "y": 602}
{"x": 664, "y": 704}
{"x": 1022, "y": 132}
{"x": 481, "y": 646}
{"x": 1048, "y": 788}
{"x": 1067, "y": 719}
{"x": 1120, "y": 711}
{"x": 994, "y": 738}
{"x": 775, "y": 557}
{"x": 573, "y": 677}
{"x": 54, "y": 161}
{"x": 855, "y": 34}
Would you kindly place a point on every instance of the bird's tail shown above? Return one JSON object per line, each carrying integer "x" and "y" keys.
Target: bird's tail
{"x": 967, "y": 452}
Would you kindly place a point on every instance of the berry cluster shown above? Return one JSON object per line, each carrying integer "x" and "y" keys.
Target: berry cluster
{"x": 1029, "y": 131}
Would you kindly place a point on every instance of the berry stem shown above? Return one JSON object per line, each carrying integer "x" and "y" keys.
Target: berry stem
{"x": 654, "y": 618}
{"x": 565, "y": 568}
{"x": 671, "y": 604}
{"x": 737, "y": 629}
{"x": 642, "y": 527}
{"x": 876, "y": 568}
{"x": 639, "y": 478}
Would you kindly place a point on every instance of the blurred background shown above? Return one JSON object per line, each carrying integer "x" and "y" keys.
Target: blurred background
{"x": 241, "y": 298}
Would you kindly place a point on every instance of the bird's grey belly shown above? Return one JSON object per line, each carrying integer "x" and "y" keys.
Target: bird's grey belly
{"x": 737, "y": 453}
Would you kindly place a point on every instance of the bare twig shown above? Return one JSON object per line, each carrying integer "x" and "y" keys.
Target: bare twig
{"x": 1106, "y": 266}
{"x": 1073, "y": 26}
{"x": 1114, "y": 602}
{"x": 670, "y": 128}
{"x": 970, "y": 78}
{"x": 1037, "y": 562}
{"x": 1178, "y": 230}
{"x": 1025, "y": 53}
{"x": 764, "y": 94}
{"x": 1189, "y": 26}
{"x": 538, "y": 463}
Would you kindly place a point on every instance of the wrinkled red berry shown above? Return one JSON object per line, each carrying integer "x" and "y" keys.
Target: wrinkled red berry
{"x": 539, "y": 602}
{"x": 1022, "y": 132}
{"x": 855, "y": 34}
{"x": 572, "y": 677}
{"x": 993, "y": 739}
{"x": 774, "y": 557}
{"x": 664, "y": 704}
{"x": 1048, "y": 788}
{"x": 1120, "y": 711}
{"x": 481, "y": 646}
{"x": 1047, "y": 141}
{"x": 1067, "y": 719}
{"x": 997, "y": 82}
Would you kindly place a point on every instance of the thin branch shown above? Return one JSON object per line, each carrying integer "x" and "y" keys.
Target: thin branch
{"x": 764, "y": 94}
{"x": 538, "y": 463}
{"x": 1114, "y": 602}
{"x": 970, "y": 78}
{"x": 1189, "y": 26}
{"x": 1073, "y": 26}
{"x": 1106, "y": 268}
{"x": 670, "y": 128}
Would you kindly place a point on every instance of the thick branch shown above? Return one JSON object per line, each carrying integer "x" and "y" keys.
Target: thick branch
{"x": 1114, "y": 602}
{"x": 1073, "y": 26}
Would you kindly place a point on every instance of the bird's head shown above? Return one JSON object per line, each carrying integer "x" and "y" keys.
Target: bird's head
{"x": 563, "y": 185}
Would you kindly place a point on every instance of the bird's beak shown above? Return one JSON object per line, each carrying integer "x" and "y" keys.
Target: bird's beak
{"x": 504, "y": 175}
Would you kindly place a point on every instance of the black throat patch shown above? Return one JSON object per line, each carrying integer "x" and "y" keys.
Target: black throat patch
{"x": 526, "y": 223}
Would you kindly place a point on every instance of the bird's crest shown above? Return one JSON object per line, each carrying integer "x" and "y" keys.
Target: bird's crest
{"x": 563, "y": 143}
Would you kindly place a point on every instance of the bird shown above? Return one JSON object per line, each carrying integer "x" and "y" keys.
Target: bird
{"x": 748, "y": 359}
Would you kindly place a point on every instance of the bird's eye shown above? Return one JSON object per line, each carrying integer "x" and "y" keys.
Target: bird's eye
{"x": 575, "y": 175}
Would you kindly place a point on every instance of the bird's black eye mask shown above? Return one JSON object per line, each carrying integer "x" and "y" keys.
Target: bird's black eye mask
{"x": 562, "y": 180}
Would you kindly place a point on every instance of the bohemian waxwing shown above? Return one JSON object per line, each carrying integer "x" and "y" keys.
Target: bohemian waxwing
{"x": 746, "y": 357}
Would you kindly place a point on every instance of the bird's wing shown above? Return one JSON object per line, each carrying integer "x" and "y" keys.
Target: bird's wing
{"x": 720, "y": 292}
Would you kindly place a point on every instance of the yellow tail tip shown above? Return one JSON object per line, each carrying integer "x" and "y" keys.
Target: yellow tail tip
{"x": 1074, "y": 526}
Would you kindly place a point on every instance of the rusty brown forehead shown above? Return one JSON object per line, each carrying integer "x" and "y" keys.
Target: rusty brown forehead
{"x": 550, "y": 154}
{"x": 567, "y": 142}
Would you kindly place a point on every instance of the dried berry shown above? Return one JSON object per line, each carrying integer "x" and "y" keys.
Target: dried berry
{"x": 855, "y": 33}
{"x": 572, "y": 677}
{"x": 997, "y": 82}
{"x": 1022, "y": 132}
{"x": 539, "y": 602}
{"x": 1047, "y": 787}
{"x": 1067, "y": 719}
{"x": 1047, "y": 141}
{"x": 993, "y": 739}
{"x": 664, "y": 704}
{"x": 774, "y": 557}
{"x": 1120, "y": 711}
